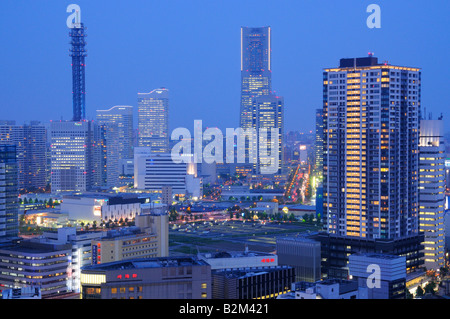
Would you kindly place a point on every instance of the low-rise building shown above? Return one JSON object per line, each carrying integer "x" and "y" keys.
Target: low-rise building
{"x": 301, "y": 253}
{"x": 327, "y": 289}
{"x": 236, "y": 260}
{"x": 81, "y": 249}
{"x": 90, "y": 207}
{"x": 149, "y": 278}
{"x": 22, "y": 293}
{"x": 252, "y": 283}
{"x": 148, "y": 239}
{"x": 384, "y": 275}
{"x": 47, "y": 266}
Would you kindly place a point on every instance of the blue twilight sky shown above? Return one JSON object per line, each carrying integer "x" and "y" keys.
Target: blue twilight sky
{"x": 192, "y": 47}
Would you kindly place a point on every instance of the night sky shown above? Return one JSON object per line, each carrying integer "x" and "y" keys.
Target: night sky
{"x": 192, "y": 47}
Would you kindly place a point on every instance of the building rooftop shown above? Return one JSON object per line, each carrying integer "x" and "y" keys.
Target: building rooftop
{"x": 378, "y": 256}
{"x": 240, "y": 273}
{"x": 143, "y": 263}
{"x": 368, "y": 62}
{"x": 31, "y": 247}
{"x": 233, "y": 254}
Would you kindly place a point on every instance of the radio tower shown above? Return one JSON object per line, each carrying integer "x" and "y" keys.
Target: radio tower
{"x": 78, "y": 53}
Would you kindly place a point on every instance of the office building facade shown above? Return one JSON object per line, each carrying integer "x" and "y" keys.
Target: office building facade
{"x": 31, "y": 147}
{"x": 154, "y": 171}
{"x": 318, "y": 146}
{"x": 9, "y": 205}
{"x": 256, "y": 77}
{"x": 122, "y": 116}
{"x": 371, "y": 162}
{"x": 153, "y": 120}
{"x": 148, "y": 278}
{"x": 252, "y": 283}
{"x": 267, "y": 118}
{"x": 35, "y": 264}
{"x": 432, "y": 191}
{"x": 256, "y": 73}
{"x": 391, "y": 283}
{"x": 301, "y": 253}
{"x": 74, "y": 156}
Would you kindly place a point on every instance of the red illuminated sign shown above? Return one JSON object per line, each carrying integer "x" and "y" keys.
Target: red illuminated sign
{"x": 267, "y": 260}
{"x": 126, "y": 276}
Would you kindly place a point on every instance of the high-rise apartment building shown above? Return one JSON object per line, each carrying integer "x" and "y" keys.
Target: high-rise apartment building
{"x": 30, "y": 141}
{"x": 9, "y": 205}
{"x": 153, "y": 120}
{"x": 371, "y": 138}
{"x": 432, "y": 191}
{"x": 371, "y": 162}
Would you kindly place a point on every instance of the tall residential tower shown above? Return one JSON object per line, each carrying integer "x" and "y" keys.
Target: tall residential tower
{"x": 371, "y": 162}
{"x": 371, "y": 138}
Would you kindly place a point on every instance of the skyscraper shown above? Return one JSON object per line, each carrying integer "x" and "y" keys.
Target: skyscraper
{"x": 117, "y": 140}
{"x": 73, "y": 155}
{"x": 153, "y": 120}
{"x": 110, "y": 154}
{"x": 30, "y": 141}
{"x": 318, "y": 145}
{"x": 432, "y": 191}
{"x": 122, "y": 115}
{"x": 256, "y": 74}
{"x": 9, "y": 224}
{"x": 78, "y": 54}
{"x": 371, "y": 137}
{"x": 267, "y": 114}
{"x": 371, "y": 163}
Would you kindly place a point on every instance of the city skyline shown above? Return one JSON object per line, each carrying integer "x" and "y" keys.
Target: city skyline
{"x": 332, "y": 180}
{"x": 107, "y": 68}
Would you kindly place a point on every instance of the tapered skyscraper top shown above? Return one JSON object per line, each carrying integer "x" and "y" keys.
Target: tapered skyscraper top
{"x": 78, "y": 54}
{"x": 256, "y": 71}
